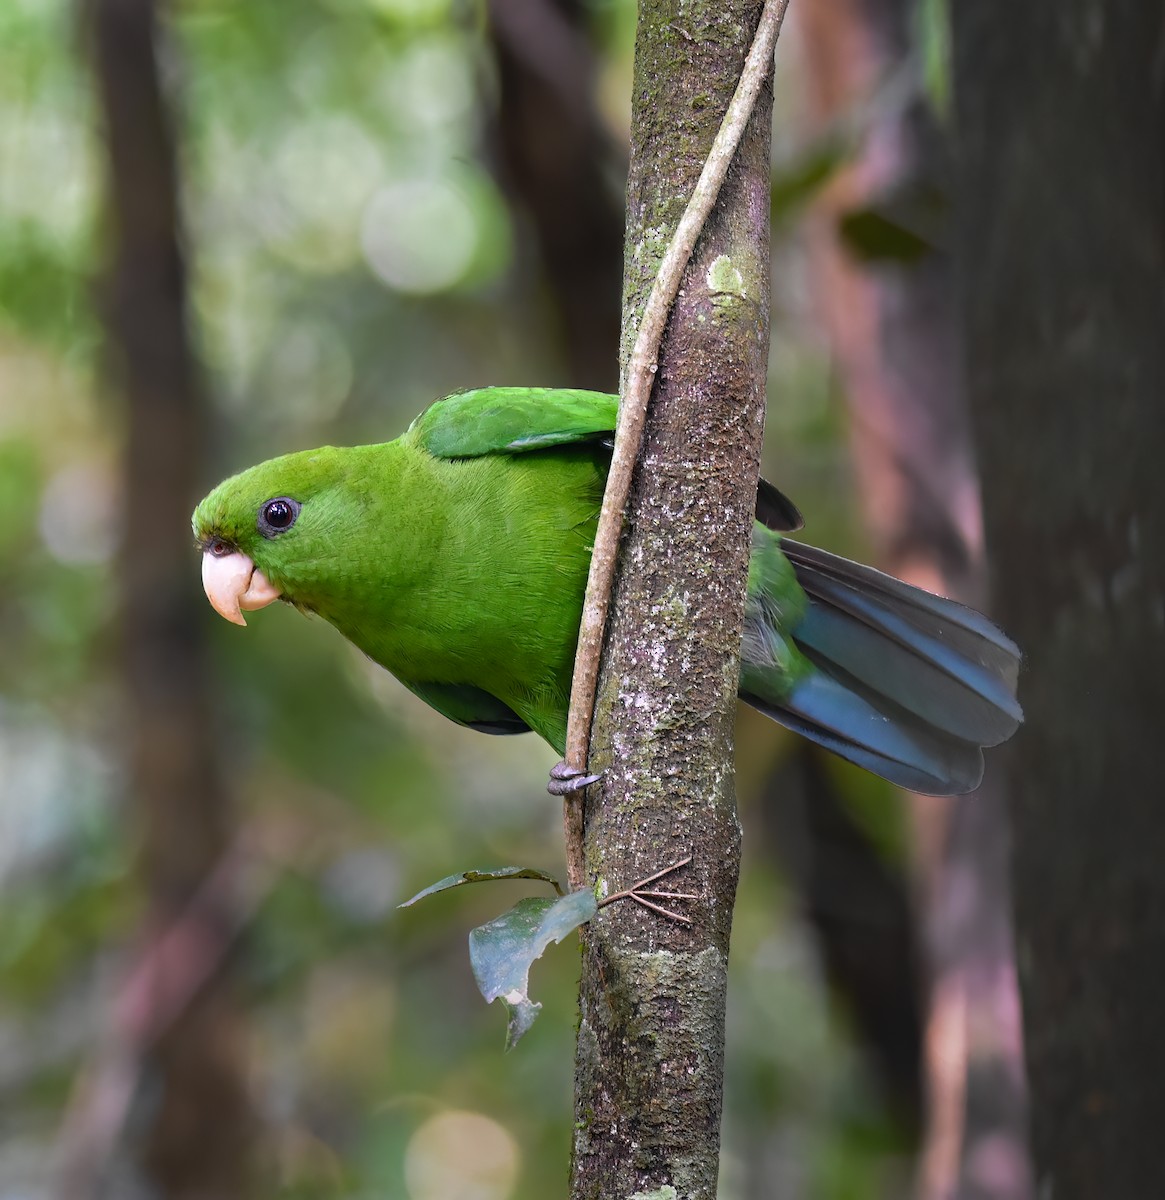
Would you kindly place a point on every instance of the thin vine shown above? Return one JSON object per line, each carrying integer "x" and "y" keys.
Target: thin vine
{"x": 636, "y": 392}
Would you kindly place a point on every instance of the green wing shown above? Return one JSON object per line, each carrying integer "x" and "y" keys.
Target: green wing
{"x": 470, "y": 706}
{"x": 516, "y": 420}
{"x": 513, "y": 420}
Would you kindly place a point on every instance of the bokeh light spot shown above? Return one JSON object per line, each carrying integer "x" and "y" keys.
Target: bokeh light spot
{"x": 411, "y": 11}
{"x": 419, "y": 235}
{"x": 462, "y": 1154}
{"x": 310, "y": 372}
{"x": 78, "y": 515}
{"x": 431, "y": 84}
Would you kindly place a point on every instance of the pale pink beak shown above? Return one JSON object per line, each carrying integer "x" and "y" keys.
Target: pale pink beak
{"x": 232, "y": 583}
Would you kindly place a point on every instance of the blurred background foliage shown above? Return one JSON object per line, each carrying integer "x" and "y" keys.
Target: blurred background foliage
{"x": 355, "y": 251}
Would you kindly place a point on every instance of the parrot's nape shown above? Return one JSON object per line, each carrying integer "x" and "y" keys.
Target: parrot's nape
{"x": 456, "y": 556}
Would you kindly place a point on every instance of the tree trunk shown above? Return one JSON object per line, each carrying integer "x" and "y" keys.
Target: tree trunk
{"x": 649, "y": 1071}
{"x": 556, "y": 161}
{"x": 880, "y": 245}
{"x": 1061, "y": 122}
{"x": 196, "y": 1135}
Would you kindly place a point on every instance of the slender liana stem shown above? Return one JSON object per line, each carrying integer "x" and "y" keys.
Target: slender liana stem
{"x": 635, "y": 394}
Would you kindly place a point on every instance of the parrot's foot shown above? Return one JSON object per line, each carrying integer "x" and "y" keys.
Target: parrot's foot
{"x": 565, "y": 779}
{"x": 638, "y": 893}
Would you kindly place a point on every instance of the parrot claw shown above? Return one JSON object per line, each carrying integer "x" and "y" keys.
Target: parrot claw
{"x": 565, "y": 780}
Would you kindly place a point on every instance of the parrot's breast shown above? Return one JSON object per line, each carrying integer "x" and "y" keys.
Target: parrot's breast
{"x": 472, "y": 573}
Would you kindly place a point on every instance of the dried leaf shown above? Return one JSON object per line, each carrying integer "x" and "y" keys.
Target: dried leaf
{"x": 502, "y": 951}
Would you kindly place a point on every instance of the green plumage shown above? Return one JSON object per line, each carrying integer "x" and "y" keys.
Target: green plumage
{"x": 456, "y": 557}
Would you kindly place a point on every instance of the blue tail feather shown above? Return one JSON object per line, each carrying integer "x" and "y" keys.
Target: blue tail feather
{"x": 904, "y": 683}
{"x": 839, "y": 717}
{"x": 916, "y": 667}
{"x": 968, "y": 632}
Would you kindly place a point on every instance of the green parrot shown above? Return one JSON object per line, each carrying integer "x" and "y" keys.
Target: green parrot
{"x": 456, "y": 557}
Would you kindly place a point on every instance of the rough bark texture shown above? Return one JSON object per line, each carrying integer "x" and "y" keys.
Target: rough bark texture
{"x": 649, "y": 1073}
{"x": 880, "y": 241}
{"x": 1061, "y": 122}
{"x": 195, "y": 1136}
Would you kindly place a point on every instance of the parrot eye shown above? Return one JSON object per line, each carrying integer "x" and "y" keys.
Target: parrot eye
{"x": 277, "y": 516}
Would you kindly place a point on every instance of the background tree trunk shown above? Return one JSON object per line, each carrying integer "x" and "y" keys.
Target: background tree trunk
{"x": 558, "y": 165}
{"x": 649, "y": 1071}
{"x": 1061, "y": 123}
{"x": 195, "y": 1137}
{"x": 880, "y": 241}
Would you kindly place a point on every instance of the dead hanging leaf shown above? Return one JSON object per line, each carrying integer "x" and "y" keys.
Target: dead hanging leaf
{"x": 502, "y": 951}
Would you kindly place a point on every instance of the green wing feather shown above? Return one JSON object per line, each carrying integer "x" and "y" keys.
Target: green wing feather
{"x": 469, "y": 706}
{"x": 517, "y": 420}
{"x": 513, "y": 420}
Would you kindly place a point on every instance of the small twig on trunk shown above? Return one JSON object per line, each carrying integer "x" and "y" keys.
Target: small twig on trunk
{"x": 637, "y": 891}
{"x": 636, "y": 391}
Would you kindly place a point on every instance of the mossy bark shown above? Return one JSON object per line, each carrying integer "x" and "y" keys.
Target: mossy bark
{"x": 649, "y": 1072}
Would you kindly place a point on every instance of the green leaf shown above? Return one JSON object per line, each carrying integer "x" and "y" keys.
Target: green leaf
{"x": 874, "y": 237}
{"x": 502, "y": 951}
{"x": 452, "y": 881}
{"x": 932, "y": 37}
{"x": 797, "y": 183}
{"x": 903, "y": 226}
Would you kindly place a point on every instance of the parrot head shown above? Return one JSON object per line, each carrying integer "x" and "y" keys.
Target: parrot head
{"x": 274, "y": 532}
